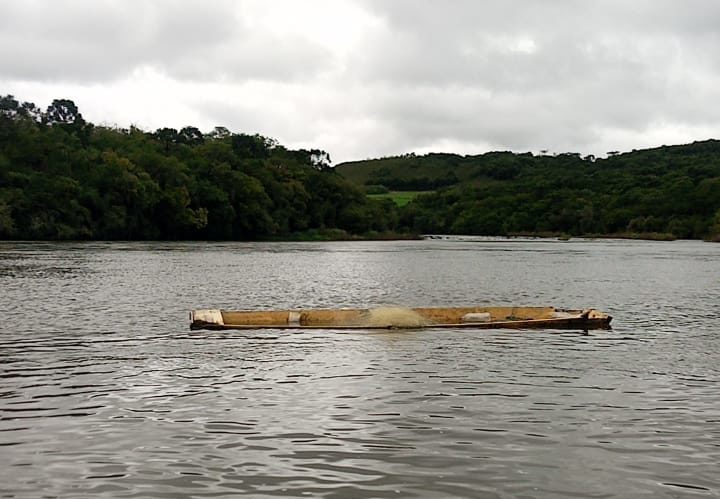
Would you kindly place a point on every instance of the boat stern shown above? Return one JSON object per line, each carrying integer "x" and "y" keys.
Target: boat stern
{"x": 206, "y": 319}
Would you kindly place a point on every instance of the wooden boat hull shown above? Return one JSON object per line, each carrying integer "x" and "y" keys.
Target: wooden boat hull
{"x": 402, "y": 318}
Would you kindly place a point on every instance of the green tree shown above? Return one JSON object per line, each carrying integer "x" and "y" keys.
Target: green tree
{"x": 63, "y": 112}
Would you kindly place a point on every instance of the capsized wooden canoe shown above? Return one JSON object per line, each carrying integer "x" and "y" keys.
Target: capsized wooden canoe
{"x": 397, "y": 317}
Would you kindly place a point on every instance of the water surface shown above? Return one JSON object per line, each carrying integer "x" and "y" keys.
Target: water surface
{"x": 104, "y": 392}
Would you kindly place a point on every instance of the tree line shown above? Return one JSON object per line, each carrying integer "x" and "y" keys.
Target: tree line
{"x": 665, "y": 192}
{"x": 62, "y": 177}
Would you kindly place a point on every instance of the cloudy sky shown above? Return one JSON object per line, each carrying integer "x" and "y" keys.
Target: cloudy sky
{"x": 368, "y": 78}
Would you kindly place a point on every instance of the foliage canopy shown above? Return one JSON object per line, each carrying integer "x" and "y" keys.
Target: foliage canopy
{"x": 62, "y": 177}
{"x": 671, "y": 191}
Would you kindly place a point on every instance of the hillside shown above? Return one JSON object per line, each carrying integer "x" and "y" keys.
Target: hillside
{"x": 671, "y": 191}
{"x": 431, "y": 171}
{"x": 62, "y": 177}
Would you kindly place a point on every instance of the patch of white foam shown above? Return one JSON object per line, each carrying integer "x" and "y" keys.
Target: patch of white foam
{"x": 393, "y": 317}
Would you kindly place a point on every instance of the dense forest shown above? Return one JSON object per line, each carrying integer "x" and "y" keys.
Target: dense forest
{"x": 62, "y": 177}
{"x": 667, "y": 192}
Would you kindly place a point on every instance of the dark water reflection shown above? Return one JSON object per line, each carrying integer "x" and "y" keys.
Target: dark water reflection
{"x": 105, "y": 393}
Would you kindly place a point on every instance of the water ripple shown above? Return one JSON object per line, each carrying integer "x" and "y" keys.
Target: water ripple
{"x": 105, "y": 393}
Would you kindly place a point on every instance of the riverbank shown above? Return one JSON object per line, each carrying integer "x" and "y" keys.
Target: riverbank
{"x": 644, "y": 236}
{"x": 342, "y": 235}
{"x": 321, "y": 235}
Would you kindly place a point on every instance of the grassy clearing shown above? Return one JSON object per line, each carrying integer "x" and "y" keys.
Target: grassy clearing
{"x": 400, "y": 198}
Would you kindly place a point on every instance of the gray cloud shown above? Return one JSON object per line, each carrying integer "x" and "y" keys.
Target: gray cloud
{"x": 102, "y": 41}
{"x": 371, "y": 77}
{"x": 523, "y": 74}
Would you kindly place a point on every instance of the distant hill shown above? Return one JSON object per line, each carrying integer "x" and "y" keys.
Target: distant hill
{"x": 434, "y": 170}
{"x": 668, "y": 191}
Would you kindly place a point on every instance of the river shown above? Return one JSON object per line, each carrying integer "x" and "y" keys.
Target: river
{"x": 106, "y": 393}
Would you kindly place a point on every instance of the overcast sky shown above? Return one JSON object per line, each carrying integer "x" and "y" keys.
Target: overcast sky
{"x": 368, "y": 78}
